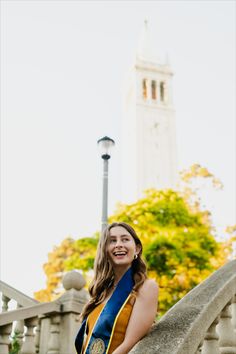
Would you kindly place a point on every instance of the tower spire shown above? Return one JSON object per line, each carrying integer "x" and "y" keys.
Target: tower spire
{"x": 147, "y": 50}
{"x": 144, "y": 46}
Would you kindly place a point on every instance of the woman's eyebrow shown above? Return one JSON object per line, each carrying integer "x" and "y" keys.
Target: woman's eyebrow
{"x": 124, "y": 235}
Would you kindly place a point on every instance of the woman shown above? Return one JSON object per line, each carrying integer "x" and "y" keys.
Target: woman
{"x": 123, "y": 301}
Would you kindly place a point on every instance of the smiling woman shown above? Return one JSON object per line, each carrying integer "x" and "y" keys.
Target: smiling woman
{"x": 120, "y": 290}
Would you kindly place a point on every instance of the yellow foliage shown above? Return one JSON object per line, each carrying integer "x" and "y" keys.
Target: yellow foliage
{"x": 54, "y": 270}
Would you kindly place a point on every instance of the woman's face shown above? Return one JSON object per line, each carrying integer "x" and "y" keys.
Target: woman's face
{"x": 121, "y": 247}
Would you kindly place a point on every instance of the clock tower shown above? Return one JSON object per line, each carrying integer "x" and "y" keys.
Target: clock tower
{"x": 148, "y": 128}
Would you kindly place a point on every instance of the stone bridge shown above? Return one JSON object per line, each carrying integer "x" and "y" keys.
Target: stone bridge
{"x": 204, "y": 321}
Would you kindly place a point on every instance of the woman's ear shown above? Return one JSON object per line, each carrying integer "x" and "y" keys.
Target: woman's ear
{"x": 138, "y": 249}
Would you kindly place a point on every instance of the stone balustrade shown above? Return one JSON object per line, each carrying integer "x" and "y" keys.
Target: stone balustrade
{"x": 203, "y": 322}
{"x": 43, "y": 328}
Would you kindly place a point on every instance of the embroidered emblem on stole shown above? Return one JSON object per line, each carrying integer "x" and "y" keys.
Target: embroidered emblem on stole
{"x": 97, "y": 347}
{"x": 102, "y": 332}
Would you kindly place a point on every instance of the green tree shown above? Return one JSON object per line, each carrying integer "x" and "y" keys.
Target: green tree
{"x": 83, "y": 256}
{"x": 179, "y": 246}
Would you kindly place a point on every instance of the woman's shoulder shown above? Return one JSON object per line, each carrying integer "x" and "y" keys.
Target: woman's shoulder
{"x": 149, "y": 287}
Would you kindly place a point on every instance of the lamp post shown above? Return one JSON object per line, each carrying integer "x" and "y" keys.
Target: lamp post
{"x": 105, "y": 144}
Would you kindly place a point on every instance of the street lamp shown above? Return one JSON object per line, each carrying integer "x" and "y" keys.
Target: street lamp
{"x": 105, "y": 144}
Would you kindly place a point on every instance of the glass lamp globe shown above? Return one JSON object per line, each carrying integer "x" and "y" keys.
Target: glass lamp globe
{"x": 105, "y": 145}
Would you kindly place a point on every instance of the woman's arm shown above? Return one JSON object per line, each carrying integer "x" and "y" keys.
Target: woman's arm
{"x": 142, "y": 316}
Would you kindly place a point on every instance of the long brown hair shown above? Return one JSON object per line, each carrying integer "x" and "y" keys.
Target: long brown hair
{"x": 103, "y": 279}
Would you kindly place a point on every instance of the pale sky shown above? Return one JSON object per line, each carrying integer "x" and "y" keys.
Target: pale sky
{"x": 63, "y": 65}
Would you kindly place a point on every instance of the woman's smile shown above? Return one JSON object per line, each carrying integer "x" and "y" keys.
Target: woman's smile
{"x": 120, "y": 254}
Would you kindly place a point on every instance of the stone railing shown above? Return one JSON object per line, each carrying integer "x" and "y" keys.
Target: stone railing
{"x": 43, "y": 328}
{"x": 204, "y": 321}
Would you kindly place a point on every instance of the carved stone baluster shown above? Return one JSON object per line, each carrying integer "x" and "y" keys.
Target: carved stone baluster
{"x": 5, "y": 301}
{"x": 28, "y": 344}
{"x": 37, "y": 336}
{"x": 5, "y": 332}
{"x": 19, "y": 330}
{"x": 54, "y": 341}
{"x": 226, "y": 332}
{"x": 45, "y": 326}
{"x": 233, "y": 306}
{"x": 211, "y": 340}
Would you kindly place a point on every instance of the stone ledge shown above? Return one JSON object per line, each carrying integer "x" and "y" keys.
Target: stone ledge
{"x": 183, "y": 327}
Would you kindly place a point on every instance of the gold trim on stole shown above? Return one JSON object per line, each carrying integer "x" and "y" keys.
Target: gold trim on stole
{"x": 89, "y": 337}
{"x": 113, "y": 328}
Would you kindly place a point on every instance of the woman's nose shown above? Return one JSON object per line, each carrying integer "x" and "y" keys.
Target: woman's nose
{"x": 118, "y": 243}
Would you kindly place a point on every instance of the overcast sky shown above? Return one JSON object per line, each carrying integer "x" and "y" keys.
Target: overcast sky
{"x": 63, "y": 65}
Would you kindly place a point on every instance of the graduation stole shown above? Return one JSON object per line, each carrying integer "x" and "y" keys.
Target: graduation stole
{"x": 102, "y": 332}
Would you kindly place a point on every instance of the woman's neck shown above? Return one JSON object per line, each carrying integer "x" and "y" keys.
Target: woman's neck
{"x": 118, "y": 273}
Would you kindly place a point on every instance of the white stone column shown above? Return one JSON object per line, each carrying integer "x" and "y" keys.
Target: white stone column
{"x": 19, "y": 330}
{"x": 45, "y": 326}
{"x": 211, "y": 340}
{"x": 5, "y": 332}
{"x": 226, "y": 332}
{"x": 5, "y": 301}
{"x": 54, "y": 341}
{"x": 28, "y": 346}
{"x": 37, "y": 336}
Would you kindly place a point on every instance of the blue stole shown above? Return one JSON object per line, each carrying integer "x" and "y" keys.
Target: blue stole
{"x": 100, "y": 339}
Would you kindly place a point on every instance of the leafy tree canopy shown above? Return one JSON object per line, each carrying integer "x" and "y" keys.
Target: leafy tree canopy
{"x": 83, "y": 255}
{"x": 179, "y": 247}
